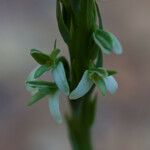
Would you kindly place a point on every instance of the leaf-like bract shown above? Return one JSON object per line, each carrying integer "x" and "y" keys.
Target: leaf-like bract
{"x": 62, "y": 27}
{"x": 99, "y": 16}
{"x": 99, "y": 59}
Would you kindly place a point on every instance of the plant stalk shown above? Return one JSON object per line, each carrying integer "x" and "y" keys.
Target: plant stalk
{"x": 80, "y": 123}
{"x": 80, "y": 48}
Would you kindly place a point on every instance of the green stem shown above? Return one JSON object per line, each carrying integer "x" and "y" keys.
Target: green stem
{"x": 82, "y": 52}
{"x": 80, "y": 123}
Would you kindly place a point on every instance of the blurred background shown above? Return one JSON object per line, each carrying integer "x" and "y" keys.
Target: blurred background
{"x": 123, "y": 120}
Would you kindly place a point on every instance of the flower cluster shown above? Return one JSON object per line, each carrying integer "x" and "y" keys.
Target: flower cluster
{"x": 72, "y": 26}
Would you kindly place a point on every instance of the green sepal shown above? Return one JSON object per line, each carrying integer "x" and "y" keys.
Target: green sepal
{"x": 54, "y": 54}
{"x": 41, "y": 58}
{"x": 107, "y": 42}
{"x": 82, "y": 88}
{"x": 36, "y": 97}
{"x": 43, "y": 88}
{"x": 101, "y": 86}
{"x": 38, "y": 83}
{"x": 40, "y": 71}
{"x": 103, "y": 40}
{"x": 98, "y": 78}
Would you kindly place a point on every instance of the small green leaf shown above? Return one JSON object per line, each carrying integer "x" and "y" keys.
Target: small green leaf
{"x": 40, "y": 57}
{"x": 60, "y": 78}
{"x": 36, "y": 97}
{"x": 66, "y": 13}
{"x": 53, "y": 104}
{"x": 103, "y": 40}
{"x": 40, "y": 71}
{"x": 83, "y": 87}
{"x": 117, "y": 48}
{"x": 111, "y": 84}
{"x": 62, "y": 27}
